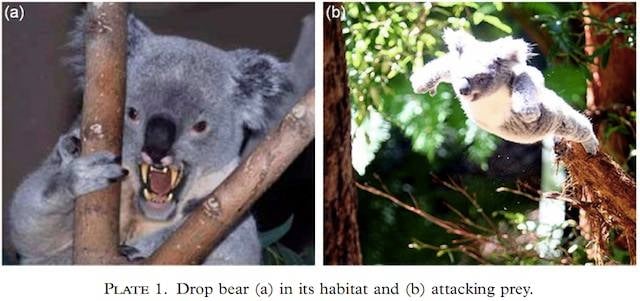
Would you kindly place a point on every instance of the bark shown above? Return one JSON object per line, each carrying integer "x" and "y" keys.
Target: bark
{"x": 96, "y": 214}
{"x": 604, "y": 192}
{"x": 223, "y": 208}
{"x": 341, "y": 237}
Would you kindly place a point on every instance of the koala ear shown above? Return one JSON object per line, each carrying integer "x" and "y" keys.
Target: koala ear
{"x": 457, "y": 40}
{"x": 515, "y": 51}
{"x": 262, "y": 86}
{"x": 137, "y": 32}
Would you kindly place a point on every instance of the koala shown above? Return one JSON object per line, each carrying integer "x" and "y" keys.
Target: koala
{"x": 192, "y": 112}
{"x": 501, "y": 93}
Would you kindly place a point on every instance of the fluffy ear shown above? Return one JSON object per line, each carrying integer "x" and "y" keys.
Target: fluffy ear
{"x": 457, "y": 40}
{"x": 512, "y": 50}
{"x": 137, "y": 32}
{"x": 262, "y": 86}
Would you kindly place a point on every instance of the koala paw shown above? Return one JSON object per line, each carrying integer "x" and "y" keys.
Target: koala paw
{"x": 591, "y": 146}
{"x": 93, "y": 172}
{"x": 421, "y": 86}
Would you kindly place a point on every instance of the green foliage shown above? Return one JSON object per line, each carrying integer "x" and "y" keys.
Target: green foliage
{"x": 569, "y": 43}
{"x": 275, "y": 253}
{"x": 270, "y": 237}
{"x": 569, "y": 82}
{"x": 384, "y": 42}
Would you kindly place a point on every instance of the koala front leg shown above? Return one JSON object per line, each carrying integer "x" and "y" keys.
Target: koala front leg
{"x": 146, "y": 245}
{"x": 525, "y": 98}
{"x": 427, "y": 78}
{"x": 41, "y": 214}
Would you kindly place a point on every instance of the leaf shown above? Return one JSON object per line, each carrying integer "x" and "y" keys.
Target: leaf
{"x": 493, "y": 20}
{"x": 289, "y": 256}
{"x": 270, "y": 237}
{"x": 478, "y": 17}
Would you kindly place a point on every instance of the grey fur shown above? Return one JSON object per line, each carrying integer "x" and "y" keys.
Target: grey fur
{"x": 236, "y": 92}
{"x": 501, "y": 93}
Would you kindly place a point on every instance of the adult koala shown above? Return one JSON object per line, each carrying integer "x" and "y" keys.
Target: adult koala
{"x": 501, "y": 93}
{"x": 192, "y": 112}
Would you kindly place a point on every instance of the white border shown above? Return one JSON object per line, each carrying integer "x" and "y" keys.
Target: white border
{"x": 548, "y": 282}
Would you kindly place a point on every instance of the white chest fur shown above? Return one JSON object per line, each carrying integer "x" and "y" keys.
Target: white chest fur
{"x": 490, "y": 111}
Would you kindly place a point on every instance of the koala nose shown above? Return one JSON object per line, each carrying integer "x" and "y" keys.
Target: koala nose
{"x": 159, "y": 136}
{"x": 464, "y": 87}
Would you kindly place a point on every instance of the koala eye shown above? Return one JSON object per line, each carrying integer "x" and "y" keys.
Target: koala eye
{"x": 200, "y": 126}
{"x": 132, "y": 113}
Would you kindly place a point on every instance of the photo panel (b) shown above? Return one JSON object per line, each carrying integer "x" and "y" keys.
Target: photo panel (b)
{"x": 473, "y": 133}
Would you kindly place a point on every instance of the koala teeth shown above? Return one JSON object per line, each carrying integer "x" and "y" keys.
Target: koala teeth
{"x": 144, "y": 172}
{"x": 162, "y": 170}
{"x": 147, "y": 194}
{"x": 176, "y": 175}
{"x": 172, "y": 174}
{"x": 152, "y": 197}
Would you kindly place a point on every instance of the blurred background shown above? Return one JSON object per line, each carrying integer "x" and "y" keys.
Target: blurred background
{"x": 39, "y": 100}
{"x": 474, "y": 198}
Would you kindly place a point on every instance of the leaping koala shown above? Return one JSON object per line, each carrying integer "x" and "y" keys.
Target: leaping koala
{"x": 501, "y": 93}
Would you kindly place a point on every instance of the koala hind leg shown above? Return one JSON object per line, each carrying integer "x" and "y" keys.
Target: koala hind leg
{"x": 577, "y": 127}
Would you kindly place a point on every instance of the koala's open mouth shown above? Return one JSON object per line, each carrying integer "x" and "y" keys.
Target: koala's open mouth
{"x": 159, "y": 183}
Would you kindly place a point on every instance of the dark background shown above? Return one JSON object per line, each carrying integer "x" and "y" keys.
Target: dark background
{"x": 39, "y": 100}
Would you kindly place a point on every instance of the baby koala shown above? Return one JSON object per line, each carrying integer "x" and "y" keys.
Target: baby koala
{"x": 501, "y": 93}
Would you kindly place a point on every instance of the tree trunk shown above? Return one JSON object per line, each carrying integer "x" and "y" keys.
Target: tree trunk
{"x": 96, "y": 214}
{"x": 341, "y": 238}
{"x": 222, "y": 209}
{"x": 603, "y": 191}
{"x": 613, "y": 87}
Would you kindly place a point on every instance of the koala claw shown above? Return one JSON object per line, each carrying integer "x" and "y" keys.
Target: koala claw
{"x": 130, "y": 252}
{"x": 420, "y": 88}
{"x": 68, "y": 146}
{"x": 591, "y": 146}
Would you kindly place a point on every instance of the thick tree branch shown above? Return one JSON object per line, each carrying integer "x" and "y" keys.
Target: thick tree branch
{"x": 96, "y": 214}
{"x": 602, "y": 189}
{"x": 222, "y": 209}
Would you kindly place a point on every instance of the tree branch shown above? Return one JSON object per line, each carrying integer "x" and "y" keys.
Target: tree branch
{"x": 96, "y": 214}
{"x": 222, "y": 209}
{"x": 601, "y": 188}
